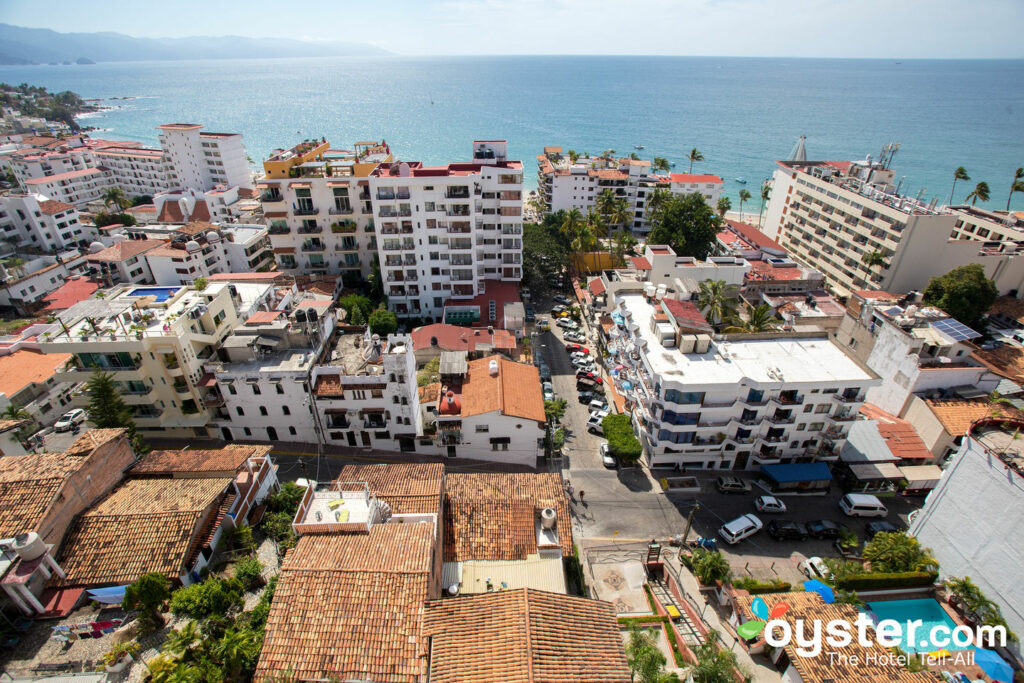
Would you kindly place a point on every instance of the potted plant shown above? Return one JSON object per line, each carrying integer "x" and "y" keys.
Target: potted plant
{"x": 121, "y": 656}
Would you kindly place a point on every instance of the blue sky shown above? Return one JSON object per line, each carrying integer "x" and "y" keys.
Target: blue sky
{"x": 801, "y": 28}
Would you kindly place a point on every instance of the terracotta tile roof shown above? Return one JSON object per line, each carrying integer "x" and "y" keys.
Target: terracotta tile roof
{"x": 492, "y": 516}
{"x": 686, "y": 314}
{"x": 409, "y": 488}
{"x": 456, "y": 338}
{"x": 197, "y": 226}
{"x": 328, "y": 385}
{"x": 123, "y": 251}
{"x": 246, "y": 193}
{"x": 144, "y": 525}
{"x": 263, "y": 317}
{"x": 640, "y": 262}
{"x": 809, "y": 608}
{"x": 1007, "y": 361}
{"x": 956, "y": 415}
{"x": 523, "y": 636}
{"x": 170, "y": 212}
{"x": 900, "y": 436}
{"x": 870, "y": 294}
{"x": 78, "y": 288}
{"x": 229, "y": 459}
{"x": 8, "y": 425}
{"x": 92, "y": 439}
{"x": 497, "y": 291}
{"x": 28, "y": 486}
{"x": 351, "y": 606}
{"x": 608, "y": 174}
{"x": 52, "y": 207}
{"x": 429, "y": 393}
{"x": 694, "y": 178}
{"x": 514, "y": 391}
{"x": 596, "y": 287}
{"x": 25, "y": 367}
{"x": 754, "y": 237}
{"x": 763, "y": 270}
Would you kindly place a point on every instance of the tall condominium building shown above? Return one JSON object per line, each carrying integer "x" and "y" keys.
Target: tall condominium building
{"x": 317, "y": 203}
{"x": 565, "y": 183}
{"x": 201, "y": 161}
{"x": 35, "y": 221}
{"x": 832, "y": 215}
{"x": 731, "y": 402}
{"x": 73, "y": 187}
{"x": 136, "y": 170}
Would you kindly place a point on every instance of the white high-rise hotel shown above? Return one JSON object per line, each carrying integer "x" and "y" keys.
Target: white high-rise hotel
{"x": 202, "y": 161}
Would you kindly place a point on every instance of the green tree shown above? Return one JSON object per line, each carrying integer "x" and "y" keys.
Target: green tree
{"x": 963, "y": 293}
{"x": 608, "y": 154}
{"x": 554, "y": 410}
{"x": 980, "y": 191}
{"x": 646, "y": 662}
{"x": 237, "y": 651}
{"x": 660, "y": 164}
{"x": 623, "y": 241}
{"x": 605, "y": 202}
{"x": 199, "y": 284}
{"x": 103, "y": 219}
{"x": 766, "y": 193}
{"x": 873, "y": 259}
{"x": 694, "y": 155}
{"x": 357, "y": 318}
{"x": 142, "y": 200}
{"x": 597, "y": 224}
{"x": 573, "y": 155}
{"x": 710, "y": 566}
{"x": 115, "y": 196}
{"x": 527, "y": 348}
{"x": 623, "y": 444}
{"x": 744, "y": 197}
{"x": 688, "y": 225}
{"x": 898, "y": 552}
{"x": 758, "y": 319}
{"x": 286, "y": 499}
{"x": 147, "y": 594}
{"x": 107, "y": 410}
{"x": 215, "y": 596}
{"x": 249, "y": 570}
{"x": 353, "y": 303}
{"x": 1016, "y": 186}
{"x": 620, "y": 214}
{"x": 376, "y": 280}
{"x": 959, "y": 174}
{"x": 656, "y": 203}
{"x": 715, "y": 664}
{"x": 383, "y": 322}
{"x": 431, "y": 371}
{"x": 715, "y": 301}
{"x": 185, "y": 641}
{"x": 724, "y": 206}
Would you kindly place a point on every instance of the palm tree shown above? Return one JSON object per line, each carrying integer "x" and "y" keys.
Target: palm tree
{"x": 1016, "y": 186}
{"x": 766, "y": 193}
{"x": 695, "y": 155}
{"x": 582, "y": 243}
{"x": 715, "y": 664}
{"x": 116, "y": 196}
{"x": 572, "y": 223}
{"x": 980, "y": 191}
{"x": 656, "y": 203}
{"x": 573, "y": 155}
{"x": 744, "y": 197}
{"x": 634, "y": 156}
{"x": 873, "y": 258}
{"x": 607, "y": 154}
{"x": 622, "y": 241}
{"x": 597, "y": 224}
{"x": 15, "y": 412}
{"x": 605, "y": 202}
{"x": 714, "y": 301}
{"x": 758, "y": 319}
{"x": 660, "y": 164}
{"x": 959, "y": 174}
{"x": 724, "y": 206}
{"x": 620, "y": 213}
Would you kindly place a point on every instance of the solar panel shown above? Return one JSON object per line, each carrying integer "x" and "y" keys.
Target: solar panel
{"x": 955, "y": 330}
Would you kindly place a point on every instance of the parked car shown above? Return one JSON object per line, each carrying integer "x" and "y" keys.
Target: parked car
{"x": 587, "y": 385}
{"x": 769, "y": 504}
{"x": 787, "y": 529}
{"x": 557, "y": 309}
{"x": 862, "y": 505}
{"x": 824, "y": 528}
{"x": 559, "y": 299}
{"x": 586, "y": 396}
{"x": 576, "y": 348}
{"x": 814, "y": 568}
{"x": 549, "y": 391}
{"x": 597, "y": 404}
{"x": 607, "y": 459}
{"x": 594, "y": 423}
{"x": 567, "y": 324}
{"x": 69, "y": 419}
{"x": 881, "y": 527}
{"x": 583, "y": 364}
{"x": 574, "y": 337}
{"x": 531, "y": 315}
{"x": 581, "y": 356}
{"x": 740, "y": 528}
{"x": 585, "y": 374}
{"x": 730, "y": 484}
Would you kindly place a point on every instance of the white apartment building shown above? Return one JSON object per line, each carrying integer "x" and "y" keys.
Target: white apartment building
{"x": 35, "y": 221}
{"x": 24, "y": 288}
{"x": 136, "y": 170}
{"x": 565, "y": 184}
{"x": 735, "y": 401}
{"x": 73, "y": 187}
{"x": 155, "y": 341}
{"x": 259, "y": 379}
{"x": 200, "y": 249}
{"x": 980, "y": 225}
{"x": 443, "y": 231}
{"x": 41, "y": 163}
{"x": 317, "y": 203}
{"x": 830, "y": 214}
{"x": 122, "y": 262}
{"x": 916, "y": 350}
{"x": 365, "y": 394}
{"x": 202, "y": 161}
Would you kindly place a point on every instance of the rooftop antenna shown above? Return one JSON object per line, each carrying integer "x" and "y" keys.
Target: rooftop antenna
{"x": 899, "y": 185}
{"x": 893, "y": 148}
{"x": 920, "y": 193}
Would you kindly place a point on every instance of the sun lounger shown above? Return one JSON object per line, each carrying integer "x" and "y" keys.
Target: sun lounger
{"x": 332, "y": 504}
{"x": 341, "y": 516}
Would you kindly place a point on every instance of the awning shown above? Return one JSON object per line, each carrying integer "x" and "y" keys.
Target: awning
{"x": 337, "y": 183}
{"x": 371, "y": 411}
{"x": 922, "y": 476}
{"x": 876, "y": 471}
{"x": 453, "y": 363}
{"x": 303, "y": 185}
{"x": 284, "y": 250}
{"x": 800, "y": 471}
{"x": 267, "y": 183}
{"x": 276, "y": 214}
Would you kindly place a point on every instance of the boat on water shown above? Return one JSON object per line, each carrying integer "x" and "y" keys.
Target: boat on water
{"x": 638, "y": 146}
{"x": 673, "y": 164}
{"x": 741, "y": 180}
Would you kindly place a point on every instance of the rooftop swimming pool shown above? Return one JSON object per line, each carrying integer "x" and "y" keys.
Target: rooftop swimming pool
{"x": 929, "y": 612}
{"x": 162, "y": 294}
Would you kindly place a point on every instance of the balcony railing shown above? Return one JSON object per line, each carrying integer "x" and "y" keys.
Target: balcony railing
{"x": 310, "y": 230}
{"x": 340, "y": 211}
{"x": 279, "y": 230}
{"x": 402, "y": 194}
{"x": 842, "y": 398}
{"x": 313, "y": 246}
{"x": 457, "y": 193}
{"x": 305, "y": 211}
{"x": 271, "y": 196}
{"x": 385, "y": 196}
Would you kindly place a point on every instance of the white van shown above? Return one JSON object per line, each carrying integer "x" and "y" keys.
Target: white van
{"x": 862, "y": 505}
{"x": 814, "y": 568}
{"x": 740, "y": 528}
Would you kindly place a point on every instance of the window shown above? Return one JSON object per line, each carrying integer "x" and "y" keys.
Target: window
{"x": 280, "y": 389}
{"x": 218, "y": 319}
{"x": 286, "y": 410}
{"x": 232, "y": 390}
{"x": 676, "y": 396}
{"x": 263, "y": 410}
{"x": 238, "y": 409}
{"x": 483, "y": 429}
{"x": 256, "y": 389}
{"x": 291, "y": 430}
{"x": 248, "y": 432}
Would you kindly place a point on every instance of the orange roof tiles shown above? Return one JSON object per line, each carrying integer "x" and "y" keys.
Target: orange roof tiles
{"x": 763, "y": 270}
{"x": 122, "y": 251}
{"x": 263, "y": 317}
{"x": 73, "y": 290}
{"x": 524, "y": 636}
{"x": 754, "y": 237}
{"x": 640, "y": 262}
{"x": 52, "y": 207}
{"x": 22, "y": 368}
{"x": 900, "y": 436}
{"x": 28, "y": 486}
{"x": 492, "y": 516}
{"x": 514, "y": 391}
{"x": 229, "y": 459}
{"x": 351, "y": 606}
{"x": 686, "y": 314}
{"x": 170, "y": 212}
{"x": 596, "y": 287}
{"x": 409, "y": 488}
{"x": 456, "y": 338}
{"x": 1007, "y": 361}
{"x": 956, "y": 415}
{"x": 328, "y": 385}
{"x": 694, "y": 178}
{"x": 608, "y": 174}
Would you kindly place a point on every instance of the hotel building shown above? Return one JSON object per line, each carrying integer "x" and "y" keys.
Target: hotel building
{"x": 202, "y": 161}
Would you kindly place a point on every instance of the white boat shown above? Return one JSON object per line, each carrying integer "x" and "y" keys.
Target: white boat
{"x": 741, "y": 180}
{"x": 638, "y": 146}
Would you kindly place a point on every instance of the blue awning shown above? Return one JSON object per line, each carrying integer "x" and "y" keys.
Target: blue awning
{"x": 799, "y": 471}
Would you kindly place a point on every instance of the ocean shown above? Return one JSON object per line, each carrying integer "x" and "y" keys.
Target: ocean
{"x": 742, "y": 113}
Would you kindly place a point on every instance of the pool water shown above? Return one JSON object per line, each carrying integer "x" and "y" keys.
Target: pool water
{"x": 928, "y": 611}
{"x": 162, "y": 294}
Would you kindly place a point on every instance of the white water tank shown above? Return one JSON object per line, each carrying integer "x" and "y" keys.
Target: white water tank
{"x": 548, "y": 518}
{"x": 453, "y": 589}
{"x": 29, "y": 546}
{"x": 662, "y": 290}
{"x": 649, "y": 290}
{"x": 492, "y": 367}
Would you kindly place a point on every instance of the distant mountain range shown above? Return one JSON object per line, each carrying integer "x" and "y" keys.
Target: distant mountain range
{"x": 20, "y": 45}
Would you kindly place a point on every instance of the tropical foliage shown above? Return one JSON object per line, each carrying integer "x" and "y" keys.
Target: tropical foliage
{"x": 710, "y": 566}
{"x": 623, "y": 444}
{"x": 964, "y": 293}
{"x": 898, "y": 552}
{"x": 693, "y": 156}
{"x": 715, "y": 664}
{"x": 1016, "y": 186}
{"x": 981, "y": 191}
{"x": 147, "y": 594}
{"x": 107, "y": 410}
{"x": 383, "y": 322}
{"x": 755, "y": 319}
{"x": 645, "y": 660}
{"x": 687, "y": 224}
{"x": 959, "y": 174}
{"x": 715, "y": 301}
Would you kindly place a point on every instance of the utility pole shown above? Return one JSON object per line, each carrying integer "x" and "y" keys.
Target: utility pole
{"x": 689, "y": 523}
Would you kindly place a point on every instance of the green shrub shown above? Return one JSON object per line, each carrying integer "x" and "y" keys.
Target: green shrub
{"x": 211, "y": 597}
{"x": 755, "y": 587}
{"x": 883, "y": 581}
{"x": 287, "y": 499}
{"x": 147, "y": 594}
{"x": 249, "y": 570}
{"x": 618, "y": 430}
{"x": 242, "y": 537}
{"x": 710, "y": 566}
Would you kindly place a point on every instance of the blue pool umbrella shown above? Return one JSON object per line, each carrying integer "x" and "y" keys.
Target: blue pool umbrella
{"x": 994, "y": 666}
{"x": 821, "y": 589}
{"x": 627, "y": 385}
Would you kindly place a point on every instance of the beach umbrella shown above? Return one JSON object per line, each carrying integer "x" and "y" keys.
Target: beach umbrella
{"x": 821, "y": 589}
{"x": 994, "y": 666}
{"x": 627, "y": 385}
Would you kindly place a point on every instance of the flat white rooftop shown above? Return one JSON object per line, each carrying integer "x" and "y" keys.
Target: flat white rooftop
{"x": 795, "y": 360}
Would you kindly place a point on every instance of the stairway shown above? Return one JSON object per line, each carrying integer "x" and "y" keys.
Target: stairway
{"x": 680, "y": 617}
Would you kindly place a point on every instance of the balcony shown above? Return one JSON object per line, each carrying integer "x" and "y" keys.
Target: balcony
{"x": 279, "y": 230}
{"x": 781, "y": 419}
{"x": 340, "y": 210}
{"x": 457, "y": 211}
{"x": 306, "y": 210}
{"x": 314, "y": 246}
{"x": 344, "y": 227}
{"x": 841, "y": 417}
{"x": 402, "y": 194}
{"x": 310, "y": 230}
{"x": 457, "y": 193}
{"x": 789, "y": 399}
{"x": 747, "y": 401}
{"x": 271, "y": 196}
{"x": 848, "y": 398}
{"x": 385, "y": 195}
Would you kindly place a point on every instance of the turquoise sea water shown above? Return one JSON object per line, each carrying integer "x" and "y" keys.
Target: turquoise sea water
{"x": 742, "y": 113}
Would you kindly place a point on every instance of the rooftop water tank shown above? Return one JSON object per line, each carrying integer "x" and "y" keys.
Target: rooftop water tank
{"x": 29, "y": 546}
{"x": 96, "y": 247}
{"x": 492, "y": 367}
{"x": 192, "y": 245}
{"x": 548, "y": 518}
